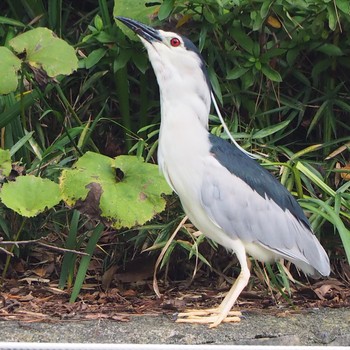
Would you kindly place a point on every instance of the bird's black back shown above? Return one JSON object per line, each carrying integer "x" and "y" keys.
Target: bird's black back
{"x": 254, "y": 175}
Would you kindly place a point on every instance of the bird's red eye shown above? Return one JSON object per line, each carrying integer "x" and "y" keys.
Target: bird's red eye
{"x": 175, "y": 42}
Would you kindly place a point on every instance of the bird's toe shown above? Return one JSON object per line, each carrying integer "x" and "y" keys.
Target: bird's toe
{"x": 213, "y": 317}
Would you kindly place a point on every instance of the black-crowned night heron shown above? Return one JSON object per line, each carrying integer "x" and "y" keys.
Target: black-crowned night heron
{"x": 226, "y": 194}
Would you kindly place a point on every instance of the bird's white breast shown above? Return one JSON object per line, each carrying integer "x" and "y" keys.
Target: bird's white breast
{"x": 183, "y": 153}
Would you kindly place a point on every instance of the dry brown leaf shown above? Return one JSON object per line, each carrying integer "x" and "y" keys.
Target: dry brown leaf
{"x": 273, "y": 22}
{"x": 40, "y": 271}
{"x": 129, "y": 293}
{"x": 18, "y": 266}
{"x": 346, "y": 174}
{"x": 96, "y": 316}
{"x": 326, "y": 286}
{"x": 30, "y": 280}
{"x": 107, "y": 277}
{"x": 322, "y": 291}
{"x": 120, "y": 318}
{"x": 27, "y": 297}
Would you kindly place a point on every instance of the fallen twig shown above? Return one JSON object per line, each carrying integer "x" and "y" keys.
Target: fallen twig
{"x": 6, "y": 251}
{"x": 37, "y": 241}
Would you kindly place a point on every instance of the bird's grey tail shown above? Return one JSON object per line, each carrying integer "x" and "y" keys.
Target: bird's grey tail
{"x": 317, "y": 264}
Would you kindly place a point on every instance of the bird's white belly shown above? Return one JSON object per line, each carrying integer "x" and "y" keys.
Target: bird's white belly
{"x": 183, "y": 165}
{"x": 184, "y": 169}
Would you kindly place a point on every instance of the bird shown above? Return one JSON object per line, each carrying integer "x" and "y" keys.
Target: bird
{"x": 224, "y": 191}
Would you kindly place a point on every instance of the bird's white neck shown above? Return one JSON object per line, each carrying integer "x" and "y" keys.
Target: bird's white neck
{"x": 180, "y": 110}
{"x": 184, "y": 99}
{"x": 184, "y": 93}
{"x": 183, "y": 144}
{"x": 185, "y": 106}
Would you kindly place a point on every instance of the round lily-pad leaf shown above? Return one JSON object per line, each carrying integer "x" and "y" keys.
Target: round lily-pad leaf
{"x": 92, "y": 168}
{"x": 30, "y": 195}
{"x": 9, "y": 67}
{"x": 140, "y": 186}
{"x": 45, "y": 50}
{"x": 123, "y": 192}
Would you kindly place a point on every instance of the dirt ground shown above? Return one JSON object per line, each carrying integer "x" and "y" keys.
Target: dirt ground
{"x": 313, "y": 327}
{"x": 34, "y": 309}
{"x": 37, "y": 311}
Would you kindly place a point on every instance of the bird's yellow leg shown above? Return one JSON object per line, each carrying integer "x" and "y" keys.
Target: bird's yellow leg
{"x": 207, "y": 316}
{"x": 223, "y": 313}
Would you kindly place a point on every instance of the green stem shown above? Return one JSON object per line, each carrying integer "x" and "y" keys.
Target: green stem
{"x": 76, "y": 118}
{"x": 85, "y": 260}
{"x": 122, "y": 85}
{"x": 143, "y": 101}
{"x": 105, "y": 14}
{"x": 69, "y": 258}
{"x": 297, "y": 181}
{"x": 8, "y": 258}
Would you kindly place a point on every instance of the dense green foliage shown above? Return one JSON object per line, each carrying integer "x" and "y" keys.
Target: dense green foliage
{"x": 279, "y": 69}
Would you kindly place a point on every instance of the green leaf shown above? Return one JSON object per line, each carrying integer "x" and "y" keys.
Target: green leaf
{"x": 9, "y": 67}
{"x": 69, "y": 258}
{"x": 271, "y": 53}
{"x": 292, "y": 55}
{"x": 256, "y": 20}
{"x": 30, "y": 195}
{"x": 11, "y": 22}
{"x": 167, "y": 255}
{"x": 343, "y": 105}
{"x": 319, "y": 67}
{"x": 94, "y": 57}
{"x": 98, "y": 22}
{"x": 209, "y": 15}
{"x": 332, "y": 16}
{"x": 215, "y": 84}
{"x": 104, "y": 37}
{"x": 141, "y": 62}
{"x": 335, "y": 219}
{"x": 343, "y": 5}
{"x": 124, "y": 191}
{"x": 140, "y": 10}
{"x": 45, "y": 50}
{"x": 243, "y": 40}
{"x": 271, "y": 74}
{"x": 165, "y": 9}
{"x": 61, "y": 142}
{"x": 21, "y": 142}
{"x": 122, "y": 59}
{"x": 315, "y": 179}
{"x": 265, "y": 8}
{"x": 5, "y": 162}
{"x": 301, "y": 77}
{"x": 247, "y": 80}
{"x": 191, "y": 248}
{"x": 270, "y": 130}
{"x": 202, "y": 38}
{"x": 330, "y": 50}
{"x": 258, "y": 65}
{"x": 317, "y": 116}
{"x": 236, "y": 73}
{"x": 85, "y": 260}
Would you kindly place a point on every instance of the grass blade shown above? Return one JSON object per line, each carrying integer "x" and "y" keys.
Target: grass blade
{"x": 344, "y": 233}
{"x": 69, "y": 258}
{"x": 85, "y": 260}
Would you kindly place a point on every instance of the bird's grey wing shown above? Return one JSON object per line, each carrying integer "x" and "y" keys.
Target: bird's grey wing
{"x": 241, "y": 211}
{"x": 248, "y": 203}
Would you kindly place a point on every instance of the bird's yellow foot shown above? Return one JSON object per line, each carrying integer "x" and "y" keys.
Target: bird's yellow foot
{"x": 208, "y": 316}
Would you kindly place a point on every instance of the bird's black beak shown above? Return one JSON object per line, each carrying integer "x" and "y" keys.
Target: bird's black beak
{"x": 148, "y": 33}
